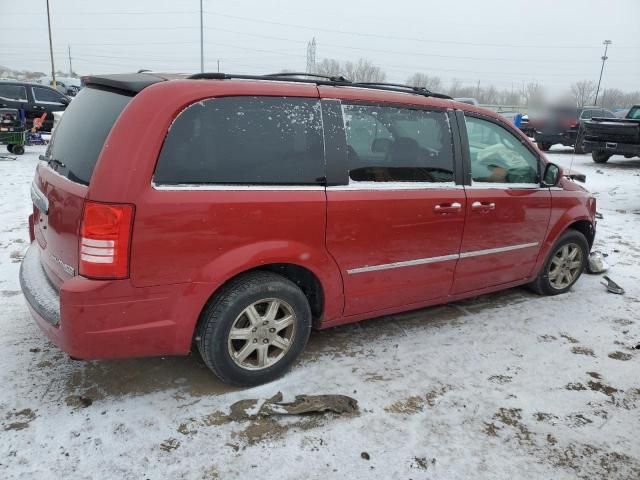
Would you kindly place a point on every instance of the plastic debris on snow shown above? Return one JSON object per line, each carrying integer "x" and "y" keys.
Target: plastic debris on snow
{"x": 303, "y": 404}
{"x": 597, "y": 262}
{"x": 612, "y": 286}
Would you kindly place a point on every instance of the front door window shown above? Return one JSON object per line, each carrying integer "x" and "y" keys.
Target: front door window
{"x": 498, "y": 156}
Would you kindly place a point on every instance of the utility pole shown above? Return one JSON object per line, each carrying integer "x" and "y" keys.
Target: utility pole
{"x": 606, "y": 44}
{"x": 201, "y": 41}
{"x": 218, "y": 65}
{"x": 478, "y": 90}
{"x": 53, "y": 68}
{"x": 70, "y": 67}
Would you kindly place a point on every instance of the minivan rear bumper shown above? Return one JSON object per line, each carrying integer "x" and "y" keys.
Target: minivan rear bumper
{"x": 92, "y": 319}
{"x": 40, "y": 293}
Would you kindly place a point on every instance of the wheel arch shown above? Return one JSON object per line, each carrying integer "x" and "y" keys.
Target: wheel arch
{"x": 585, "y": 227}
{"x": 570, "y": 220}
{"x": 307, "y": 280}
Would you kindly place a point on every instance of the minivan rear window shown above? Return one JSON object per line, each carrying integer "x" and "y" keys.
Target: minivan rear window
{"x": 82, "y": 131}
{"x": 245, "y": 140}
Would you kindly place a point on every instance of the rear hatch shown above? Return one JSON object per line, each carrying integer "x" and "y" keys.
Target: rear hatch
{"x": 62, "y": 180}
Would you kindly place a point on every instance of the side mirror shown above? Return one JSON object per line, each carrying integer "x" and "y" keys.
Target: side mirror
{"x": 381, "y": 145}
{"x": 551, "y": 175}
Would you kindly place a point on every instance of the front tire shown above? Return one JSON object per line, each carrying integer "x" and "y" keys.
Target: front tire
{"x": 564, "y": 265}
{"x": 254, "y": 329}
{"x": 10, "y": 148}
{"x": 600, "y": 157}
{"x": 544, "y": 146}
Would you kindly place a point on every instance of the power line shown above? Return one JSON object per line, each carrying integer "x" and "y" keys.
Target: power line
{"x": 389, "y": 37}
{"x": 373, "y": 50}
{"x": 309, "y": 27}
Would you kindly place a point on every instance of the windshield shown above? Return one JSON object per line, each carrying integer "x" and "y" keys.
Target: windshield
{"x": 83, "y": 129}
{"x": 634, "y": 113}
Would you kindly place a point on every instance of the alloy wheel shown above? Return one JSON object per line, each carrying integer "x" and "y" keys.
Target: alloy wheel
{"x": 262, "y": 334}
{"x": 566, "y": 266}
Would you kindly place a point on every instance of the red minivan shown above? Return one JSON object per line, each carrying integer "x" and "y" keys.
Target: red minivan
{"x": 236, "y": 213}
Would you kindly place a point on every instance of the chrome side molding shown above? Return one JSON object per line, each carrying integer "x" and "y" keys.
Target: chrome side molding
{"x": 443, "y": 258}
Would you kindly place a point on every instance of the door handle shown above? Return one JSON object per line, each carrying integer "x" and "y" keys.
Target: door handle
{"x": 483, "y": 206}
{"x": 447, "y": 208}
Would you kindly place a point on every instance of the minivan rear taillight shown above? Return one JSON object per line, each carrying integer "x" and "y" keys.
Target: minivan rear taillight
{"x": 105, "y": 236}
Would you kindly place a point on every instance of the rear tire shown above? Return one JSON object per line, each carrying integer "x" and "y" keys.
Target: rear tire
{"x": 567, "y": 260}
{"x": 600, "y": 157}
{"x": 10, "y": 148}
{"x": 544, "y": 146}
{"x": 254, "y": 329}
{"x": 17, "y": 150}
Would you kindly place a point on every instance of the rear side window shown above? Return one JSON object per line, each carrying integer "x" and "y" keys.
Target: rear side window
{"x": 245, "y": 140}
{"x": 82, "y": 131}
{"x": 46, "y": 95}
{"x": 13, "y": 92}
{"x": 391, "y": 144}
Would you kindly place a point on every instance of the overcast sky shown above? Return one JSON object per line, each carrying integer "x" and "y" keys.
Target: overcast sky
{"x": 499, "y": 42}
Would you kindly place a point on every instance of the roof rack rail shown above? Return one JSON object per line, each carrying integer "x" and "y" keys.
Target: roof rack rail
{"x": 321, "y": 80}
{"x": 331, "y": 78}
{"x": 419, "y": 90}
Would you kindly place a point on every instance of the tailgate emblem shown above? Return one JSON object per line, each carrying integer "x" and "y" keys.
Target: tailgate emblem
{"x": 67, "y": 268}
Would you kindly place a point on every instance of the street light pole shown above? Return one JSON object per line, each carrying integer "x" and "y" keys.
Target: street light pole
{"x": 201, "y": 41}
{"x": 53, "y": 68}
{"x": 606, "y": 44}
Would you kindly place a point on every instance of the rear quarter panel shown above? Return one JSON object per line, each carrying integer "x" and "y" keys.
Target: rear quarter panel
{"x": 211, "y": 236}
{"x": 208, "y": 236}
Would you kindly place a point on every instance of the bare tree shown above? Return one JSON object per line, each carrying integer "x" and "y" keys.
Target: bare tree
{"x": 631, "y": 98}
{"x": 360, "y": 71}
{"x": 612, "y": 98}
{"x": 583, "y": 92}
{"x": 363, "y": 71}
{"x": 509, "y": 97}
{"x": 454, "y": 88}
{"x": 425, "y": 81}
{"x": 532, "y": 94}
{"x": 489, "y": 95}
{"x": 329, "y": 67}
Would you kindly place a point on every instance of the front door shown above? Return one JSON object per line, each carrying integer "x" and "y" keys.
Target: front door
{"x": 395, "y": 223}
{"x": 507, "y": 210}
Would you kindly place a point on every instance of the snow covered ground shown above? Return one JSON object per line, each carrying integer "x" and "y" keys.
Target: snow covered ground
{"x": 504, "y": 386}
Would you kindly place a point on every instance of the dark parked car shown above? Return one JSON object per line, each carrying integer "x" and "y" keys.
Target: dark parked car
{"x": 34, "y": 99}
{"x": 564, "y": 125}
{"x": 613, "y": 136}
